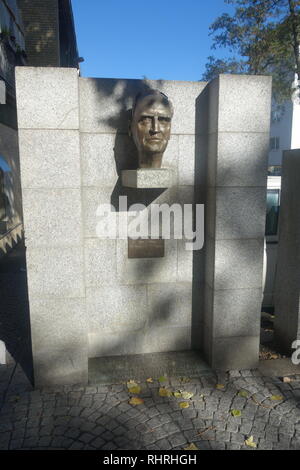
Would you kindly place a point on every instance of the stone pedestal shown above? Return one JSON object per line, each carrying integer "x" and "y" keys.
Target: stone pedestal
{"x": 287, "y": 282}
{"x": 148, "y": 178}
{"x": 238, "y": 137}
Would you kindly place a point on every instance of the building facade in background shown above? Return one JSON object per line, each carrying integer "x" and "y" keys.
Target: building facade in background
{"x": 49, "y": 33}
{"x": 37, "y": 33}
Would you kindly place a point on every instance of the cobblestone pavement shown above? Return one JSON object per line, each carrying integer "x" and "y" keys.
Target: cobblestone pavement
{"x": 100, "y": 417}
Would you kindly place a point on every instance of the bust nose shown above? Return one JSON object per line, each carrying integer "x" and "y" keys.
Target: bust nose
{"x": 155, "y": 125}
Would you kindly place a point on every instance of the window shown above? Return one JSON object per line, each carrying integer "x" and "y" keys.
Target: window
{"x": 273, "y": 204}
{"x": 274, "y": 143}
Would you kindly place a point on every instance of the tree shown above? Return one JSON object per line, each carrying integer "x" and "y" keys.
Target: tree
{"x": 264, "y": 35}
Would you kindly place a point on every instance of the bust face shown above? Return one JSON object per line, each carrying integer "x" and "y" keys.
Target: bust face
{"x": 151, "y": 128}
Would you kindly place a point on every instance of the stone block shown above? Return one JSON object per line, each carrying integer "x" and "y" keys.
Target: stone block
{"x": 235, "y": 353}
{"x": 98, "y": 160}
{"x": 240, "y": 213}
{"x": 186, "y": 161}
{"x": 209, "y": 271}
{"x": 148, "y": 178}
{"x": 100, "y": 262}
{"x": 147, "y": 271}
{"x": 236, "y": 312}
{"x": 2, "y": 92}
{"x": 117, "y": 308}
{"x": 52, "y": 217}
{"x": 47, "y": 98}
{"x": 49, "y": 159}
{"x": 168, "y": 338}
{"x": 92, "y": 198}
{"x": 105, "y": 343}
{"x": 2, "y": 353}
{"x": 213, "y": 105}
{"x": 184, "y": 262}
{"x": 244, "y": 103}
{"x": 169, "y": 304}
{"x": 238, "y": 159}
{"x": 55, "y": 271}
{"x": 287, "y": 280}
{"x": 59, "y": 341}
{"x": 238, "y": 264}
{"x": 105, "y": 103}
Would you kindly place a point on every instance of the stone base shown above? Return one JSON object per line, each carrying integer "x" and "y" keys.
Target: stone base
{"x": 147, "y": 178}
{"x": 2, "y": 92}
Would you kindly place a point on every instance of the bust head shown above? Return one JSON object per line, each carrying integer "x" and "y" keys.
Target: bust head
{"x": 150, "y": 127}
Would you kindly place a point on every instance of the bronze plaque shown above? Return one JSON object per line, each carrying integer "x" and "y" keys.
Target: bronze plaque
{"x": 146, "y": 248}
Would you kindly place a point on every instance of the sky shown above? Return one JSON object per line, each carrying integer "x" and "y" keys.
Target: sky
{"x": 157, "y": 39}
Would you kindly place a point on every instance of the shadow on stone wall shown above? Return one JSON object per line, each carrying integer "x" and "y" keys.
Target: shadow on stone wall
{"x": 14, "y": 309}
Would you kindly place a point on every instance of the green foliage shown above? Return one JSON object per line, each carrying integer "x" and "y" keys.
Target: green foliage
{"x": 264, "y": 36}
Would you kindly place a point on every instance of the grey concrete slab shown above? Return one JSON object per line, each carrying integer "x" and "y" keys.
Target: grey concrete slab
{"x": 148, "y": 178}
{"x": 49, "y": 158}
{"x": 52, "y": 217}
{"x": 47, "y": 97}
{"x": 55, "y": 271}
{"x": 141, "y": 367}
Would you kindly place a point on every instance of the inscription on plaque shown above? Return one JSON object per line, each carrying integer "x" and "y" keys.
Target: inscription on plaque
{"x": 146, "y": 248}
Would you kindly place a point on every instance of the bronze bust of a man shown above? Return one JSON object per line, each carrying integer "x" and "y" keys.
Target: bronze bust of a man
{"x": 150, "y": 127}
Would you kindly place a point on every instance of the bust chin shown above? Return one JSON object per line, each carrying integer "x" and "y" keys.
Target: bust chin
{"x": 150, "y": 127}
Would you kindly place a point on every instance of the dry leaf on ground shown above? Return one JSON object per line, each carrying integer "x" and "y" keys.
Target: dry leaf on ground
{"x": 184, "y": 404}
{"x": 250, "y": 443}
{"x": 136, "y": 401}
{"x": 164, "y": 392}
{"x": 235, "y": 413}
{"x": 286, "y": 380}
{"x": 192, "y": 446}
{"x": 133, "y": 387}
{"x": 276, "y": 397}
{"x": 183, "y": 394}
{"x": 243, "y": 394}
{"x": 220, "y": 386}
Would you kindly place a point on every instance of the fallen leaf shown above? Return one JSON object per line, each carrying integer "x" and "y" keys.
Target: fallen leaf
{"x": 150, "y": 380}
{"x": 184, "y": 404}
{"x": 136, "y": 401}
{"x": 133, "y": 387}
{"x": 243, "y": 394}
{"x": 250, "y": 443}
{"x": 136, "y": 390}
{"x": 276, "y": 397}
{"x": 235, "y": 413}
{"x": 162, "y": 379}
{"x": 183, "y": 394}
{"x": 164, "y": 392}
{"x": 187, "y": 395}
{"x": 192, "y": 446}
{"x": 286, "y": 380}
{"x": 220, "y": 386}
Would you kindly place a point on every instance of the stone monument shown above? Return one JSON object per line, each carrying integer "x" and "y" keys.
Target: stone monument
{"x": 92, "y": 296}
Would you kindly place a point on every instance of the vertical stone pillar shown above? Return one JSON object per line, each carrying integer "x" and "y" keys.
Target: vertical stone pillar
{"x": 48, "y": 119}
{"x": 287, "y": 281}
{"x": 238, "y": 138}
